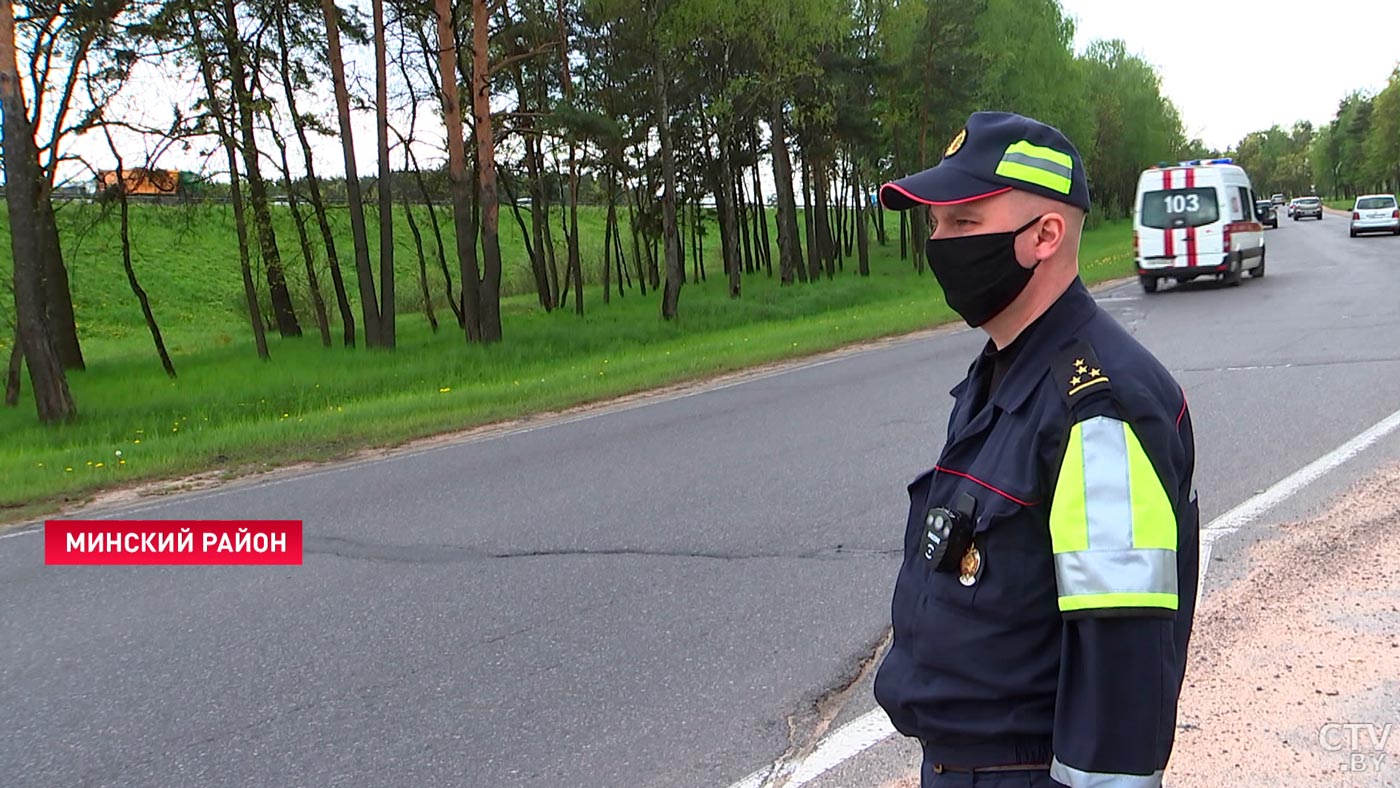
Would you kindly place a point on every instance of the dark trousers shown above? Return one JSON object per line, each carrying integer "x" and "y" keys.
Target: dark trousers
{"x": 1020, "y": 779}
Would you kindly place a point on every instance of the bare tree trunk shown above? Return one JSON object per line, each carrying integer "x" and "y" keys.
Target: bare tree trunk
{"x": 918, "y": 231}
{"x": 700, "y": 240}
{"x": 623, "y": 276}
{"x": 318, "y": 205}
{"x": 486, "y": 173}
{"x": 729, "y": 230}
{"x": 457, "y": 170}
{"x": 52, "y": 399}
{"x": 608, "y": 245}
{"x": 430, "y": 64}
{"x": 675, "y": 274}
{"x": 862, "y": 224}
{"x": 369, "y": 306}
{"x": 814, "y": 256}
{"x": 820, "y": 213}
{"x": 575, "y": 263}
{"x": 422, "y": 261}
{"x": 904, "y": 236}
{"x": 789, "y": 247}
{"x": 741, "y": 200}
{"x": 388, "y": 333}
{"x": 304, "y": 241}
{"x": 632, "y": 211}
{"x": 282, "y": 307}
{"x": 12, "y": 372}
{"x": 537, "y": 267}
{"x": 453, "y": 302}
{"x": 539, "y": 219}
{"x": 760, "y": 221}
{"x": 63, "y": 324}
{"x": 140, "y": 292}
{"x": 240, "y": 221}
{"x": 850, "y": 194}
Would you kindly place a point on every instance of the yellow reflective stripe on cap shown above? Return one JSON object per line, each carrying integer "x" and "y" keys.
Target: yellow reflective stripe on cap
{"x": 1069, "y": 523}
{"x": 1029, "y": 174}
{"x": 1041, "y": 166}
{"x": 1111, "y": 601}
{"x": 1036, "y": 151}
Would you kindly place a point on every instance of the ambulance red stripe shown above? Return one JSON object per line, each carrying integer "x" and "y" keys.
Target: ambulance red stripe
{"x": 1190, "y": 231}
{"x": 1169, "y": 249}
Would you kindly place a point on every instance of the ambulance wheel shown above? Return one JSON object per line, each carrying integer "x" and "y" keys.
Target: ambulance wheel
{"x": 1231, "y": 278}
{"x": 1149, "y": 283}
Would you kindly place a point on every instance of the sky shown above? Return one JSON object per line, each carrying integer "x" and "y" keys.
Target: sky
{"x": 1210, "y": 55}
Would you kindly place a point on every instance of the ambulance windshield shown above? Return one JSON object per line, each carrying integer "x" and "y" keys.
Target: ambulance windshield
{"x": 1171, "y": 208}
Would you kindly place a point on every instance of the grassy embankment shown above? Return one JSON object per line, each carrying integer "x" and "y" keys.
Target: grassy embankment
{"x": 228, "y": 411}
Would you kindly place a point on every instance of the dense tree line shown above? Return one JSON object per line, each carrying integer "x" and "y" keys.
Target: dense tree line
{"x": 1357, "y": 152}
{"x": 670, "y": 114}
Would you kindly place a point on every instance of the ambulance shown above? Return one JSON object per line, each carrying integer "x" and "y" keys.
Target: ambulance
{"x": 1193, "y": 219}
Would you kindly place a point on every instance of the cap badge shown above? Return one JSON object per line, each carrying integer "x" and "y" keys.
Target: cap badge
{"x": 956, "y": 144}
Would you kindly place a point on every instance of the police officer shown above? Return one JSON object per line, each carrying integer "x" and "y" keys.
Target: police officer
{"x": 1042, "y": 610}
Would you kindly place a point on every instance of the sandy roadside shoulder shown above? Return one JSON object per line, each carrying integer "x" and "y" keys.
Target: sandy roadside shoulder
{"x": 1294, "y": 674}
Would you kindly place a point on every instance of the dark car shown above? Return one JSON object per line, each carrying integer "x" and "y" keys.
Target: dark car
{"x": 1264, "y": 209}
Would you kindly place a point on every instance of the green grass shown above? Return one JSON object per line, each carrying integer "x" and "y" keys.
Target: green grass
{"x": 228, "y": 411}
{"x": 1341, "y": 205}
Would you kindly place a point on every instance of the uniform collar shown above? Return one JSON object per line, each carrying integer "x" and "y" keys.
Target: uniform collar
{"x": 1038, "y": 343}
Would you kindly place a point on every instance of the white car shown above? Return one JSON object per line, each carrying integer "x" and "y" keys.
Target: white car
{"x": 1375, "y": 213}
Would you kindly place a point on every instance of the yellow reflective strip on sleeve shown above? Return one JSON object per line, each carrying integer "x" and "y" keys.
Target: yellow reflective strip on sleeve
{"x": 1069, "y": 520}
{"x": 1022, "y": 172}
{"x": 1024, "y": 147}
{"x": 1121, "y": 600}
{"x": 1154, "y": 522}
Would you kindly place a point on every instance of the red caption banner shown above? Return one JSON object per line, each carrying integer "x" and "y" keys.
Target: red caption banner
{"x": 172, "y": 542}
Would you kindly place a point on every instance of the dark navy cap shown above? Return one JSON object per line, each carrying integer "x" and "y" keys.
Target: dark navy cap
{"x": 994, "y": 153}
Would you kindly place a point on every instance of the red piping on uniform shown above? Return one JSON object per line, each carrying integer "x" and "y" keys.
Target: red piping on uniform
{"x": 1003, "y": 494}
{"x": 916, "y": 198}
{"x": 1168, "y": 249}
{"x": 1190, "y": 231}
{"x": 1182, "y": 414}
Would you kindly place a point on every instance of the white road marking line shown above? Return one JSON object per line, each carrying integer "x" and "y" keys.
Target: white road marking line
{"x": 841, "y": 745}
{"x": 1241, "y": 515}
{"x": 874, "y": 726}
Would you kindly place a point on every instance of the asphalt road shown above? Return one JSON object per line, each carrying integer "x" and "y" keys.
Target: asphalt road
{"x": 653, "y": 595}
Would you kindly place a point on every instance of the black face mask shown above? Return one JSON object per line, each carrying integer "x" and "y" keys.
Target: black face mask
{"x": 979, "y": 273}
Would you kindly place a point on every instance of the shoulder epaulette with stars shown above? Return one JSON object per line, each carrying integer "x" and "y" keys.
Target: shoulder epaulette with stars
{"x": 1078, "y": 374}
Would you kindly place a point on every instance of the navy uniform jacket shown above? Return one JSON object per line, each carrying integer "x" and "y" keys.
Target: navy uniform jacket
{"x": 1070, "y": 646}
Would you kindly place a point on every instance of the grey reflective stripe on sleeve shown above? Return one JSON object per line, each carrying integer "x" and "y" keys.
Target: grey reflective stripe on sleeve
{"x": 1038, "y": 163}
{"x": 1108, "y": 494}
{"x": 1116, "y": 572}
{"x": 1077, "y": 778}
{"x": 1111, "y": 564}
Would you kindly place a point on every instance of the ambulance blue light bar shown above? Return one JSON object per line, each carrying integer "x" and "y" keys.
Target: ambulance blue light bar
{"x": 1162, "y": 165}
{"x": 1199, "y": 162}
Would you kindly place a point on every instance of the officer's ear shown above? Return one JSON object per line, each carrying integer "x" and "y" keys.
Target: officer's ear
{"x": 1049, "y": 236}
